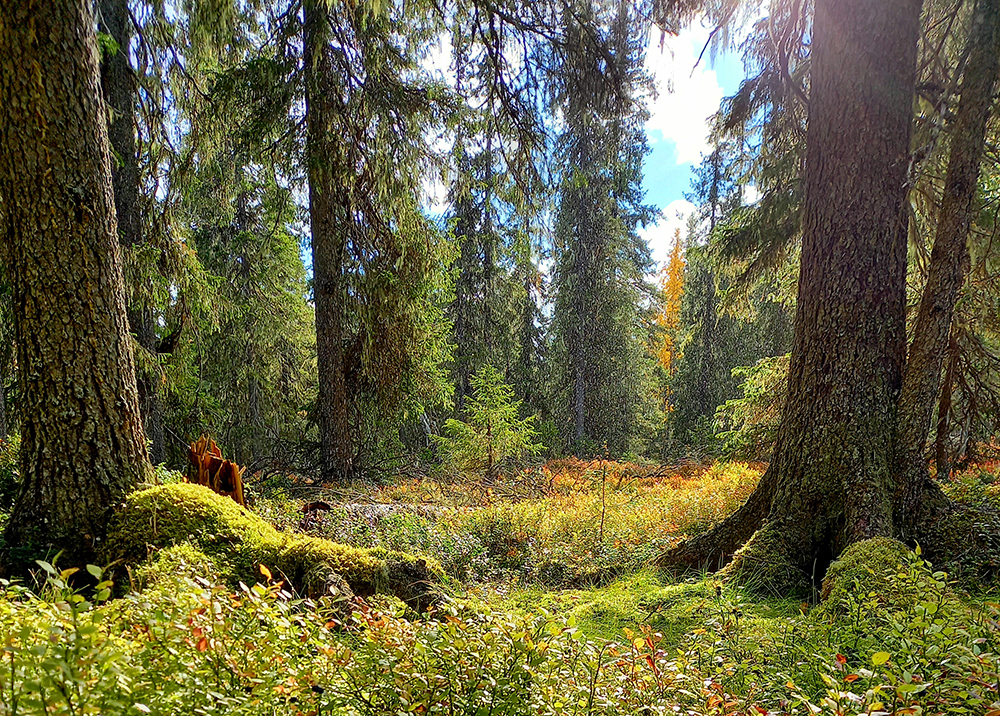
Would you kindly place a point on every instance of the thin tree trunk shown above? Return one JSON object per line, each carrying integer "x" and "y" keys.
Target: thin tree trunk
{"x": 82, "y": 445}
{"x": 942, "y": 454}
{"x": 948, "y": 267}
{"x": 465, "y": 283}
{"x": 118, "y": 84}
{"x": 464, "y": 305}
{"x": 4, "y": 432}
{"x": 830, "y": 480}
{"x": 328, "y": 216}
{"x": 578, "y": 351}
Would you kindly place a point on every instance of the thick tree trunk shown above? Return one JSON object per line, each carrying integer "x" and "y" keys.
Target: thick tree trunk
{"x": 328, "y": 217}
{"x": 118, "y": 84}
{"x": 948, "y": 267}
{"x": 82, "y": 445}
{"x": 830, "y": 480}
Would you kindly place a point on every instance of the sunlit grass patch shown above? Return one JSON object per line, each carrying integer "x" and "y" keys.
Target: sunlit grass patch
{"x": 589, "y": 522}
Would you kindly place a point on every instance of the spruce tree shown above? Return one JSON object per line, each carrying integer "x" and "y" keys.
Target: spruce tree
{"x": 82, "y": 445}
{"x": 601, "y": 264}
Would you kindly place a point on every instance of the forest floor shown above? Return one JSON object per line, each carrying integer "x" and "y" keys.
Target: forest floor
{"x": 552, "y": 608}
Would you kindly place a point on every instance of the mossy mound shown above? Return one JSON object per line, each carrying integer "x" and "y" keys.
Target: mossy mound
{"x": 181, "y": 560}
{"x": 866, "y": 569}
{"x": 964, "y": 538}
{"x": 763, "y": 565}
{"x": 238, "y": 542}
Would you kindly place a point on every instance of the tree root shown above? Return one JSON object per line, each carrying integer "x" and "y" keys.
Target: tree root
{"x": 769, "y": 563}
{"x": 714, "y": 549}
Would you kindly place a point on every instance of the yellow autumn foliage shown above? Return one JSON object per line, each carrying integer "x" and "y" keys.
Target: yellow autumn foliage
{"x": 668, "y": 318}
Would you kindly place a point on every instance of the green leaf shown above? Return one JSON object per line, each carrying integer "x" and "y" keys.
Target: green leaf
{"x": 880, "y": 657}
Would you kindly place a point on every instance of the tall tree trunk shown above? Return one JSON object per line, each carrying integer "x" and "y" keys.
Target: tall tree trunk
{"x": 4, "y": 432}
{"x": 254, "y": 442}
{"x": 949, "y": 264}
{"x": 830, "y": 480}
{"x": 942, "y": 454}
{"x": 328, "y": 217}
{"x": 82, "y": 444}
{"x": 464, "y": 305}
{"x": 118, "y": 84}
{"x": 580, "y": 336}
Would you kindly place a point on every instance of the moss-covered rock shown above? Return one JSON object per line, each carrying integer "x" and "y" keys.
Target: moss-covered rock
{"x": 870, "y": 565}
{"x": 238, "y": 542}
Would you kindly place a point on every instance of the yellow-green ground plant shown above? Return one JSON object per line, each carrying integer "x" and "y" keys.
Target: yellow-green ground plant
{"x": 573, "y": 523}
{"x": 188, "y": 646}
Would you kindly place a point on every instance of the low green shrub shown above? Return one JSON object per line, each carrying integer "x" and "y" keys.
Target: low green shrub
{"x": 595, "y": 519}
{"x": 922, "y": 651}
{"x": 190, "y": 646}
{"x": 183, "y": 647}
{"x": 925, "y": 651}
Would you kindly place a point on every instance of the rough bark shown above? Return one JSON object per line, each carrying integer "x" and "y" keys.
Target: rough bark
{"x": 941, "y": 452}
{"x": 830, "y": 480}
{"x": 82, "y": 445}
{"x": 328, "y": 217}
{"x": 253, "y": 449}
{"x": 948, "y": 266}
{"x": 118, "y": 85}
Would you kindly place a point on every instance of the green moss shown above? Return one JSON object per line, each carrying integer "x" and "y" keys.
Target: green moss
{"x": 238, "y": 542}
{"x": 872, "y": 565}
{"x": 965, "y": 541}
{"x": 672, "y": 609}
{"x": 180, "y": 560}
{"x": 764, "y": 566}
{"x": 603, "y": 612}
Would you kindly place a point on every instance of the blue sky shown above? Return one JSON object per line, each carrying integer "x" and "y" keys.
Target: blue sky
{"x": 677, "y": 130}
{"x": 678, "y": 127}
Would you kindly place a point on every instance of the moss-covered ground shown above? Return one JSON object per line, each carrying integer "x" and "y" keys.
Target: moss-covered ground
{"x": 548, "y": 605}
{"x": 647, "y": 598}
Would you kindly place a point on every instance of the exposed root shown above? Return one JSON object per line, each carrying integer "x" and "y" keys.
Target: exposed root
{"x": 769, "y": 563}
{"x": 714, "y": 549}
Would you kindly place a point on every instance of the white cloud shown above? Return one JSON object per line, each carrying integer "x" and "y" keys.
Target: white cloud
{"x": 661, "y": 236}
{"x": 688, "y": 95}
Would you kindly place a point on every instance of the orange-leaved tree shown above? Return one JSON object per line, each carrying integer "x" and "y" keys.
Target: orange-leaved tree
{"x": 668, "y": 317}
